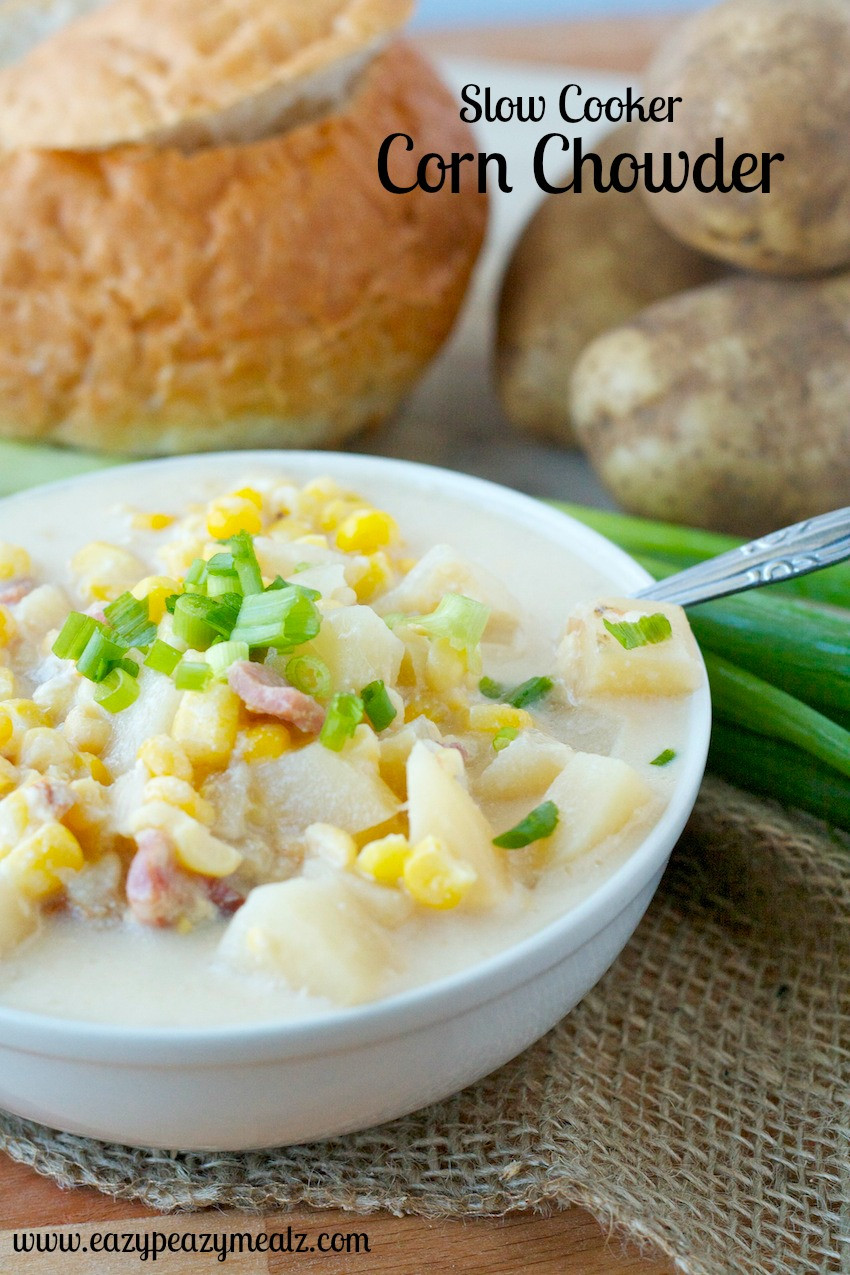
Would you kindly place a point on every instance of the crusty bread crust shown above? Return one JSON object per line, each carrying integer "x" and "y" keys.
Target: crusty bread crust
{"x": 187, "y": 72}
{"x": 270, "y": 294}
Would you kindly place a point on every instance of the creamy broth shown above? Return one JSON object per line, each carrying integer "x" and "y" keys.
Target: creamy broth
{"x": 132, "y": 974}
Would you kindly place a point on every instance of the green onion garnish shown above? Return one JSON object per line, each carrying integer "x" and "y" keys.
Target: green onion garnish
{"x": 129, "y": 619}
{"x": 345, "y": 713}
{"x": 100, "y": 656}
{"x": 117, "y": 691}
{"x": 191, "y": 675}
{"x": 540, "y": 823}
{"x": 162, "y": 657}
{"x": 378, "y": 706}
{"x": 491, "y": 689}
{"x": 664, "y": 759}
{"x": 74, "y": 636}
{"x": 223, "y": 654}
{"x": 198, "y": 620}
{"x": 504, "y": 737}
{"x": 245, "y": 563}
{"x": 649, "y": 630}
{"x": 529, "y": 692}
{"x": 220, "y": 564}
{"x": 195, "y": 580}
{"x": 282, "y": 618}
{"x": 459, "y": 619}
{"x": 129, "y": 666}
{"x": 309, "y": 674}
{"x": 223, "y": 582}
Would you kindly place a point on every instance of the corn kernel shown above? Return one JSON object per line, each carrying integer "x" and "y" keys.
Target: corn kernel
{"x": 427, "y": 706}
{"x": 181, "y": 795}
{"x": 87, "y": 728}
{"x": 156, "y": 589}
{"x": 384, "y": 860}
{"x": 445, "y": 668}
{"x": 95, "y": 768}
{"x": 162, "y": 756}
{"x": 178, "y": 555}
{"x": 206, "y": 724}
{"x": 35, "y": 864}
{"x": 43, "y": 748}
{"x": 196, "y": 848}
{"x": 105, "y": 571}
{"x": 290, "y": 528}
{"x": 229, "y": 515}
{"x": 334, "y": 845}
{"x": 17, "y": 716}
{"x": 366, "y": 530}
{"x": 435, "y": 878}
{"x": 90, "y": 811}
{"x": 377, "y": 577}
{"x": 7, "y": 683}
{"x": 314, "y": 495}
{"x": 329, "y": 515}
{"x": 250, "y": 493}
{"x": 8, "y": 777}
{"x": 265, "y": 742}
{"x": 8, "y": 627}
{"x": 152, "y": 522}
{"x": 14, "y": 561}
{"x": 15, "y": 820}
{"x": 494, "y": 717}
{"x": 320, "y": 542}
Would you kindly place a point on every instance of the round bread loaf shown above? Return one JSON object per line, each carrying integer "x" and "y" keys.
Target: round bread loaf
{"x": 262, "y": 294}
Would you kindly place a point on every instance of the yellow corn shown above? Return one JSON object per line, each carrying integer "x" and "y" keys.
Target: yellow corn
{"x": 87, "y": 728}
{"x": 313, "y": 538}
{"x": 36, "y": 863}
{"x": 7, "y": 683}
{"x": 427, "y": 706}
{"x": 206, "y": 724}
{"x": 366, "y": 530}
{"x": 196, "y": 848}
{"x": 156, "y": 589}
{"x": 15, "y": 819}
{"x": 265, "y": 742}
{"x": 435, "y": 878}
{"x": 445, "y": 668}
{"x": 314, "y": 495}
{"x": 384, "y": 860}
{"x": 334, "y": 845}
{"x": 290, "y": 528}
{"x": 90, "y": 810}
{"x": 162, "y": 756}
{"x": 95, "y": 768}
{"x": 14, "y": 561}
{"x": 8, "y": 627}
{"x": 229, "y": 515}
{"x": 181, "y": 795}
{"x": 495, "y": 717}
{"x": 43, "y": 748}
{"x": 377, "y": 577}
{"x": 334, "y": 511}
{"x": 17, "y": 716}
{"x": 250, "y": 493}
{"x": 179, "y": 554}
{"x": 8, "y": 777}
{"x": 105, "y": 571}
{"x": 152, "y": 522}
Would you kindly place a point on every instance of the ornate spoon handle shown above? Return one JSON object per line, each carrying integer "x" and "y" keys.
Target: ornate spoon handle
{"x": 781, "y": 555}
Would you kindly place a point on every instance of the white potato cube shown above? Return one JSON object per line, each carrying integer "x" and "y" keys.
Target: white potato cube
{"x": 442, "y": 570}
{"x": 592, "y": 661}
{"x": 596, "y": 797}
{"x": 358, "y": 648}
{"x": 315, "y": 935}
{"x": 151, "y": 714}
{"x": 18, "y": 917}
{"x": 526, "y": 767}
{"x": 439, "y": 806}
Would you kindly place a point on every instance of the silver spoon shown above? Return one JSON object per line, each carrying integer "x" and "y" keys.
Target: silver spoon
{"x": 781, "y": 555}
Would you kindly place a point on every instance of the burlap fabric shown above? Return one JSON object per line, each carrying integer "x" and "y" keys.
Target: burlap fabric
{"x": 697, "y": 1098}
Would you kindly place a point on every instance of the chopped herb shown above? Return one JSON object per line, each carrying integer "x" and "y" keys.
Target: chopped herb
{"x": 198, "y": 620}
{"x": 490, "y": 689}
{"x": 221, "y": 655}
{"x": 345, "y": 713}
{"x": 649, "y": 630}
{"x": 100, "y": 656}
{"x": 162, "y": 657}
{"x": 74, "y": 636}
{"x": 130, "y": 621}
{"x": 504, "y": 737}
{"x": 117, "y": 691}
{"x": 282, "y": 618}
{"x": 540, "y": 823}
{"x": 245, "y": 563}
{"x": 459, "y": 619}
{"x": 664, "y": 759}
{"x": 379, "y": 707}
{"x": 529, "y": 692}
{"x": 192, "y": 675}
{"x": 309, "y": 674}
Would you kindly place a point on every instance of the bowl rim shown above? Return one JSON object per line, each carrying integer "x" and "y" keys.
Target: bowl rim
{"x": 454, "y": 994}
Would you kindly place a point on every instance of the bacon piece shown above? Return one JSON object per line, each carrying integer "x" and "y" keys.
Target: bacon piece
{"x": 49, "y": 798}
{"x": 160, "y": 893}
{"x": 227, "y": 899}
{"x": 13, "y": 591}
{"x": 262, "y": 690}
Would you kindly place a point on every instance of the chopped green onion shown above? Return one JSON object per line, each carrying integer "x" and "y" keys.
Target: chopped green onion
{"x": 191, "y": 675}
{"x": 223, "y": 582}
{"x": 345, "y": 713}
{"x": 460, "y": 619}
{"x": 162, "y": 657}
{"x": 130, "y": 620}
{"x": 171, "y": 602}
{"x": 540, "y": 823}
{"x": 649, "y": 630}
{"x": 100, "y": 656}
{"x": 117, "y": 691}
{"x": 309, "y": 674}
{"x": 220, "y": 564}
{"x": 245, "y": 563}
{"x": 378, "y": 706}
{"x": 394, "y": 619}
{"x": 529, "y": 692}
{"x": 74, "y": 636}
{"x": 195, "y": 580}
{"x": 198, "y": 621}
{"x": 282, "y": 619}
{"x": 490, "y": 689}
{"x": 129, "y": 666}
{"x": 223, "y": 654}
{"x": 303, "y": 589}
{"x": 664, "y": 759}
{"x": 504, "y": 737}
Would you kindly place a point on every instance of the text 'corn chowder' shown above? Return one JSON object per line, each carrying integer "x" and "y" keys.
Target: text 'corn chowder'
{"x": 261, "y": 733}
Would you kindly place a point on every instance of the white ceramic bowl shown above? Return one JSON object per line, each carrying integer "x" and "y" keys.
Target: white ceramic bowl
{"x": 273, "y": 1084}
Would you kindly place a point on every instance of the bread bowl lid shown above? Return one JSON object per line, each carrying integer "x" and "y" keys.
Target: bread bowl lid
{"x": 87, "y": 75}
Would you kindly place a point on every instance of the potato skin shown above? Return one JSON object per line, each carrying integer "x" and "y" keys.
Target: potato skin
{"x": 585, "y": 263}
{"x": 726, "y": 407}
{"x": 766, "y": 76}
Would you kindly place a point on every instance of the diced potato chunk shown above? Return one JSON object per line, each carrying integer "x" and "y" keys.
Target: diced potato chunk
{"x": 358, "y": 648}
{"x": 149, "y": 716}
{"x": 316, "y": 935}
{"x": 526, "y": 767}
{"x": 592, "y": 661}
{"x": 596, "y": 797}
{"x": 315, "y": 785}
{"x": 442, "y": 570}
{"x": 206, "y": 724}
{"x": 18, "y": 916}
{"x": 440, "y": 807}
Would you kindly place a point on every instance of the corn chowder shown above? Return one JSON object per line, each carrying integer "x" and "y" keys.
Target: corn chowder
{"x": 262, "y": 755}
